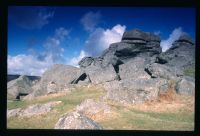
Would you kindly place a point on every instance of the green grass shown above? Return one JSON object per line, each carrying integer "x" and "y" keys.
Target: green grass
{"x": 69, "y": 102}
{"x": 126, "y": 118}
{"x": 140, "y": 120}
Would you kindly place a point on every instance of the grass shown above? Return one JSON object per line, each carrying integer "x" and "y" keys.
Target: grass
{"x": 69, "y": 102}
{"x": 171, "y": 114}
{"x": 131, "y": 118}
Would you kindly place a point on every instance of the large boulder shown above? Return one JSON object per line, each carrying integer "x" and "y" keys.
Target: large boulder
{"x": 76, "y": 120}
{"x": 180, "y": 55}
{"x": 56, "y": 79}
{"x": 19, "y": 87}
{"x": 134, "y": 69}
{"x": 134, "y": 43}
{"x": 186, "y": 86}
{"x": 163, "y": 71}
{"x": 138, "y": 36}
{"x": 133, "y": 90}
{"x": 99, "y": 75}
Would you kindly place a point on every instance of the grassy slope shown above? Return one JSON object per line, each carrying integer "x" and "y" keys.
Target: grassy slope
{"x": 179, "y": 118}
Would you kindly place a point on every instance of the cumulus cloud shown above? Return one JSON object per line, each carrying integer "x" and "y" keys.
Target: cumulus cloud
{"x": 27, "y": 65}
{"x": 176, "y": 33}
{"x": 100, "y": 39}
{"x": 36, "y": 63}
{"x": 90, "y": 20}
{"x": 74, "y": 61}
{"x": 30, "y": 17}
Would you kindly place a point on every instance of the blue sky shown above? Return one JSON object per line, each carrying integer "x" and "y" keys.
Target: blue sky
{"x": 39, "y": 37}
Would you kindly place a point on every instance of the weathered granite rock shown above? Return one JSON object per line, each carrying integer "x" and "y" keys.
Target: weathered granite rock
{"x": 133, "y": 69}
{"x": 51, "y": 88}
{"x": 99, "y": 75}
{"x": 19, "y": 87}
{"x": 186, "y": 86}
{"x": 85, "y": 62}
{"x": 90, "y": 107}
{"x": 163, "y": 71}
{"x": 76, "y": 120}
{"x": 33, "y": 110}
{"x": 55, "y": 79}
{"x": 133, "y": 90}
{"x": 180, "y": 55}
{"x": 138, "y": 36}
{"x": 185, "y": 38}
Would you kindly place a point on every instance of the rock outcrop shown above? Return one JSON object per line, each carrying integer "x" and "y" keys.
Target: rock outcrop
{"x": 76, "y": 120}
{"x": 133, "y": 90}
{"x": 180, "y": 55}
{"x": 131, "y": 71}
{"x": 19, "y": 87}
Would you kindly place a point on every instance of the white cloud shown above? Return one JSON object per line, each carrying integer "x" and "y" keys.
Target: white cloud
{"x": 36, "y": 63}
{"x": 27, "y": 65}
{"x": 176, "y": 33}
{"x": 90, "y": 20}
{"x": 100, "y": 39}
{"x": 74, "y": 61}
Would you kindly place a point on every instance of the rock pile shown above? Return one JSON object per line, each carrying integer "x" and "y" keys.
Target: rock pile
{"x": 133, "y": 70}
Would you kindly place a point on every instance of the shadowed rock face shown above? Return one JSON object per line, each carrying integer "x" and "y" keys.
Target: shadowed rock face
{"x": 180, "y": 55}
{"x": 76, "y": 120}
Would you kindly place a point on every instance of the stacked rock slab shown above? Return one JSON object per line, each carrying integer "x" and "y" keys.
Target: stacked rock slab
{"x": 134, "y": 43}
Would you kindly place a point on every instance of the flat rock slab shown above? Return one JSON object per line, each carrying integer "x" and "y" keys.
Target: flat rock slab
{"x": 76, "y": 120}
{"x": 33, "y": 110}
